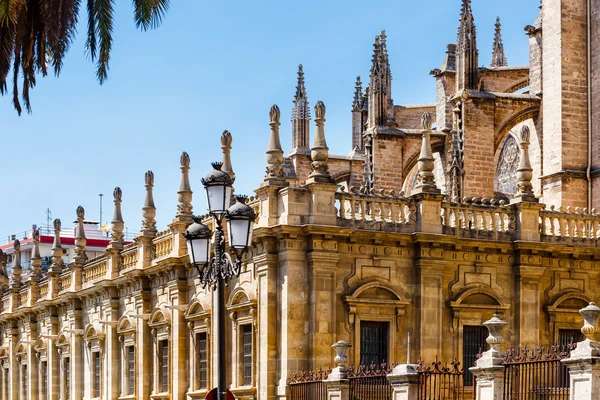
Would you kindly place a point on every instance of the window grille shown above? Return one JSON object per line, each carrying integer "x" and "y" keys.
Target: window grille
{"x": 247, "y": 355}
{"x": 97, "y": 375}
{"x": 67, "y": 372}
{"x": 25, "y": 382}
{"x": 202, "y": 360}
{"x": 473, "y": 344}
{"x": 567, "y": 337}
{"x": 44, "y": 373}
{"x": 164, "y": 365}
{"x": 374, "y": 337}
{"x": 130, "y": 370}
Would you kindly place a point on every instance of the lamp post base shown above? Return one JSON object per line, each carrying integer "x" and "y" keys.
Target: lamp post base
{"x": 213, "y": 395}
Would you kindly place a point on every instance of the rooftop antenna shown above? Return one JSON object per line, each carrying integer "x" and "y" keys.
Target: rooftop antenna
{"x": 48, "y": 219}
{"x": 100, "y": 209}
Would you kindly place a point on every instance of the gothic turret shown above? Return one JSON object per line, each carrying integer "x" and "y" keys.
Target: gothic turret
{"x": 498, "y": 57}
{"x": 467, "y": 55}
{"x": 300, "y": 117}
{"x": 379, "y": 92}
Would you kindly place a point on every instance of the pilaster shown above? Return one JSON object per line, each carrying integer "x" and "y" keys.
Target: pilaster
{"x": 32, "y": 362}
{"x": 178, "y": 297}
{"x": 430, "y": 307}
{"x": 266, "y": 269}
{"x": 143, "y": 340}
{"x": 321, "y": 301}
{"x": 293, "y": 309}
{"x": 111, "y": 359}
{"x": 529, "y": 300}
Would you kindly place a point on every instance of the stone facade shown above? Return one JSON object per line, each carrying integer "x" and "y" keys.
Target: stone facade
{"x": 415, "y": 232}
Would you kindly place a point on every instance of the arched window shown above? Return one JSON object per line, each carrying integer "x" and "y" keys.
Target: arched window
{"x": 508, "y": 162}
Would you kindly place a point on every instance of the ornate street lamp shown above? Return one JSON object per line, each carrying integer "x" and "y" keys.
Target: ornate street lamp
{"x": 216, "y": 272}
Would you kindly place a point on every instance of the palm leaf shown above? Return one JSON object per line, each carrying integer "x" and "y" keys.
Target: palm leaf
{"x": 104, "y": 28}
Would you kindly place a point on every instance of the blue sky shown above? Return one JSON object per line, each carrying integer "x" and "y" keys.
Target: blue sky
{"x": 213, "y": 66}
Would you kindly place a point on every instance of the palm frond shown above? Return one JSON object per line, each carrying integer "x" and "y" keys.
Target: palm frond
{"x": 104, "y": 28}
{"x": 7, "y": 43}
{"x": 148, "y": 14}
{"x": 90, "y": 43}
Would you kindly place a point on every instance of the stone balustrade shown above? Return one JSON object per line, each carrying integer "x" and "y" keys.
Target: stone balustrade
{"x": 475, "y": 218}
{"x": 129, "y": 257}
{"x": 163, "y": 244}
{"x": 43, "y": 290}
{"x": 94, "y": 270}
{"x": 64, "y": 281}
{"x": 479, "y": 218}
{"x": 386, "y": 207}
{"x": 572, "y": 224}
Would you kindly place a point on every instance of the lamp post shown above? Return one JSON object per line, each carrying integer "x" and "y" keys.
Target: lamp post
{"x": 215, "y": 272}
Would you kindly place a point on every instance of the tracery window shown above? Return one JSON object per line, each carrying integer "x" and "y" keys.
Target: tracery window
{"x": 508, "y": 162}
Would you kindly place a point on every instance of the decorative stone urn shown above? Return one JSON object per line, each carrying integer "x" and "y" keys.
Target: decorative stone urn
{"x": 591, "y": 315}
{"x": 340, "y": 372}
{"x": 493, "y": 357}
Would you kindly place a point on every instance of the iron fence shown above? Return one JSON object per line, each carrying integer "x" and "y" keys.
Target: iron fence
{"x": 437, "y": 382}
{"x": 536, "y": 373}
{"x": 308, "y": 385}
{"x": 370, "y": 382}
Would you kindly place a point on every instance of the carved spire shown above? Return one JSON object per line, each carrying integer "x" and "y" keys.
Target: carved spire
{"x": 57, "y": 251}
{"x": 149, "y": 210}
{"x": 36, "y": 259}
{"x": 274, "y": 152}
{"x": 359, "y": 116}
{"x": 320, "y": 151}
{"x": 226, "y": 140}
{"x": 80, "y": 239}
{"x": 117, "y": 224}
{"x": 381, "y": 105}
{"x": 467, "y": 56}
{"x": 524, "y": 171}
{"x": 16, "y": 276}
{"x": 184, "y": 195}
{"x": 425, "y": 177}
{"x": 498, "y": 57}
{"x": 300, "y": 117}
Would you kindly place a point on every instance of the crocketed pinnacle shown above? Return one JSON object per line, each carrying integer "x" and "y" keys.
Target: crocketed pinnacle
{"x": 300, "y": 116}
{"x": 358, "y": 95}
{"x": 498, "y": 57}
{"x": 300, "y": 89}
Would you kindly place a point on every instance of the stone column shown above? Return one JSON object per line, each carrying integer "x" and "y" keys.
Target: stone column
{"x": 489, "y": 370}
{"x": 337, "y": 383}
{"x": 266, "y": 268}
{"x": 405, "y": 382}
{"x": 584, "y": 362}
